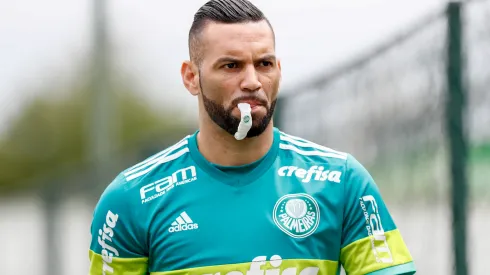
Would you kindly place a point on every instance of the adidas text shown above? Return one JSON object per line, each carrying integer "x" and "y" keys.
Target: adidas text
{"x": 184, "y": 227}
{"x": 314, "y": 172}
{"x": 182, "y": 223}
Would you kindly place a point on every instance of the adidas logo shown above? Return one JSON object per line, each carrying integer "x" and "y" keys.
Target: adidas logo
{"x": 182, "y": 223}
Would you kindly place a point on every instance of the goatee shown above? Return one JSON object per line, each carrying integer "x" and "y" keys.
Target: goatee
{"x": 225, "y": 119}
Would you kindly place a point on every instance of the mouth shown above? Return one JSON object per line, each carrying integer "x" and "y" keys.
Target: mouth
{"x": 254, "y": 103}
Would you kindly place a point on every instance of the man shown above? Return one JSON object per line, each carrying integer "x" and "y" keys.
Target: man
{"x": 254, "y": 201}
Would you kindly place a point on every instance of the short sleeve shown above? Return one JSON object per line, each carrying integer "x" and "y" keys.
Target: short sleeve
{"x": 118, "y": 243}
{"x": 371, "y": 242}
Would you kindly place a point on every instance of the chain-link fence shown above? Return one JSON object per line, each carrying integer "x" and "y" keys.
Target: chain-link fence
{"x": 477, "y": 19}
{"x": 388, "y": 109}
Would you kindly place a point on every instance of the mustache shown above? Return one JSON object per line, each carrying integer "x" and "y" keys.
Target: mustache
{"x": 237, "y": 100}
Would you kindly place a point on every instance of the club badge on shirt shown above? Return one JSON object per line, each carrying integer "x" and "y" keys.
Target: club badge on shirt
{"x": 297, "y": 215}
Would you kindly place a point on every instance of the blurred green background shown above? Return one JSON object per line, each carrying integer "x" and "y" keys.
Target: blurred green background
{"x": 357, "y": 86}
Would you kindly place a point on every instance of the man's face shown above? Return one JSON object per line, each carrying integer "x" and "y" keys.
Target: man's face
{"x": 239, "y": 65}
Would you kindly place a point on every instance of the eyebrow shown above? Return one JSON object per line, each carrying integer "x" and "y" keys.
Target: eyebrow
{"x": 227, "y": 59}
{"x": 268, "y": 57}
{"x": 231, "y": 59}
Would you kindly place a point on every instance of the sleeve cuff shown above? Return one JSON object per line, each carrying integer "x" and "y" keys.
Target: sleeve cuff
{"x": 403, "y": 269}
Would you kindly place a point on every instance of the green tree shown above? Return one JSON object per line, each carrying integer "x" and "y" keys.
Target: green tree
{"x": 52, "y": 131}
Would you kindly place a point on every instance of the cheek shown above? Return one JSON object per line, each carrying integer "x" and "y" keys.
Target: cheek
{"x": 218, "y": 89}
{"x": 271, "y": 85}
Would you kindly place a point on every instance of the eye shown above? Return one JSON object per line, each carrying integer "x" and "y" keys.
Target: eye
{"x": 265, "y": 63}
{"x": 230, "y": 66}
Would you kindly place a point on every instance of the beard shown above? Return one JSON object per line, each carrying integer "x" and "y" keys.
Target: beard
{"x": 224, "y": 118}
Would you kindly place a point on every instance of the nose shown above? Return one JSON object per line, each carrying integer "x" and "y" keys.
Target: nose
{"x": 250, "y": 81}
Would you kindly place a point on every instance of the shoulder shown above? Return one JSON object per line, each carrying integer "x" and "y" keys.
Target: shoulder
{"x": 297, "y": 147}
{"x": 306, "y": 151}
{"x": 128, "y": 182}
{"x": 166, "y": 158}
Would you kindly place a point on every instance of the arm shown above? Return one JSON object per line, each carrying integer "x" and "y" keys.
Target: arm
{"x": 371, "y": 242}
{"x": 118, "y": 243}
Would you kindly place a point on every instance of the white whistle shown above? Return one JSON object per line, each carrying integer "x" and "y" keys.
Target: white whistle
{"x": 245, "y": 121}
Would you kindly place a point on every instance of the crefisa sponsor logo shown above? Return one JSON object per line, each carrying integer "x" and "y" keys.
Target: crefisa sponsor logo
{"x": 317, "y": 173}
{"x": 106, "y": 234}
{"x": 275, "y": 266}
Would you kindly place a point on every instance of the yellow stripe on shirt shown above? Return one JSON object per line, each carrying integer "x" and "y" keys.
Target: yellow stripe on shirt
{"x": 108, "y": 265}
{"x": 272, "y": 267}
{"x": 369, "y": 254}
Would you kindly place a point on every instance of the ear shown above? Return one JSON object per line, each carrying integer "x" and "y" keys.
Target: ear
{"x": 280, "y": 69}
{"x": 190, "y": 77}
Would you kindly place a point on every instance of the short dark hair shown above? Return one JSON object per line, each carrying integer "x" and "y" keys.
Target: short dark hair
{"x": 221, "y": 11}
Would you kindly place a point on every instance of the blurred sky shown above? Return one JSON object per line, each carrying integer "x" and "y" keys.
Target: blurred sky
{"x": 41, "y": 40}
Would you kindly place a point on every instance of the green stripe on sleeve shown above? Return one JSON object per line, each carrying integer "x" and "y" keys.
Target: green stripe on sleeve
{"x": 106, "y": 264}
{"x": 368, "y": 255}
{"x": 404, "y": 269}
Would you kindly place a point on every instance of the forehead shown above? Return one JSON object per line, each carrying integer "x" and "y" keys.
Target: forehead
{"x": 237, "y": 39}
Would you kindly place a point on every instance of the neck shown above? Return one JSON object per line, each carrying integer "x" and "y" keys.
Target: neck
{"x": 219, "y": 147}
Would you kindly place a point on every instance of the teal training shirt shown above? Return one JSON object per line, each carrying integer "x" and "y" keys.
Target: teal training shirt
{"x": 302, "y": 209}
